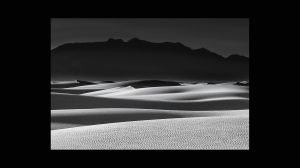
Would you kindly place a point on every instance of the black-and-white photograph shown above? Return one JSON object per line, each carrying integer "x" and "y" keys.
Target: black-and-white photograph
{"x": 150, "y": 83}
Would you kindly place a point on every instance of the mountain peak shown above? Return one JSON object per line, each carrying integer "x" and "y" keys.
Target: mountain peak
{"x": 152, "y": 60}
{"x": 115, "y": 40}
{"x": 135, "y": 40}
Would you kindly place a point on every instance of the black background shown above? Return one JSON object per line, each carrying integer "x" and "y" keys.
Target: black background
{"x": 29, "y": 68}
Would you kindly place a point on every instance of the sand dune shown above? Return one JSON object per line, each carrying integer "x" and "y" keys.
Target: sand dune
{"x": 192, "y": 97}
{"x": 199, "y": 88}
{"x": 60, "y": 125}
{"x": 68, "y": 101}
{"x": 106, "y": 91}
{"x": 73, "y": 91}
{"x": 227, "y": 132}
{"x": 78, "y": 117}
{"x": 159, "y": 90}
{"x": 105, "y": 85}
{"x": 119, "y": 116}
{"x": 132, "y": 83}
{"x": 63, "y": 82}
{"x": 194, "y": 92}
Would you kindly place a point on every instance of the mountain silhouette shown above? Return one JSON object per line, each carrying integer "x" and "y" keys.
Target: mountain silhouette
{"x": 116, "y": 59}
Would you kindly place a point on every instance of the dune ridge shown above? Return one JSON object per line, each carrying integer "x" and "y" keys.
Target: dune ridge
{"x": 191, "y": 97}
{"x": 78, "y": 117}
{"x": 106, "y": 91}
{"x": 189, "y": 92}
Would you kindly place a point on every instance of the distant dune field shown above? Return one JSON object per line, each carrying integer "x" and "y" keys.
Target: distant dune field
{"x": 141, "y": 115}
{"x": 69, "y": 101}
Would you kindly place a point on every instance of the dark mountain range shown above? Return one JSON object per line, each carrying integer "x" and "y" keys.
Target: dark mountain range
{"x": 139, "y": 59}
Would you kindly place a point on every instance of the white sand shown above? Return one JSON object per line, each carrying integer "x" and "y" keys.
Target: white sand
{"x": 227, "y": 132}
{"x": 190, "y": 92}
{"x": 78, "y": 117}
{"x": 195, "y": 116}
{"x": 106, "y": 91}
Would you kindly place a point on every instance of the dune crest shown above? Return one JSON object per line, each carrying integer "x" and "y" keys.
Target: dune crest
{"x": 78, "y": 117}
{"x": 107, "y": 91}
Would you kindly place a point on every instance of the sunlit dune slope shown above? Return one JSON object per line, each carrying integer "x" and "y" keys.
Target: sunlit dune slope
{"x": 78, "y": 117}
{"x": 191, "y": 97}
{"x": 226, "y": 132}
{"x": 190, "y": 92}
{"x": 106, "y": 91}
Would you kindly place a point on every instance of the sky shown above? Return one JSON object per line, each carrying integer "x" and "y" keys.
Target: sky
{"x": 224, "y": 36}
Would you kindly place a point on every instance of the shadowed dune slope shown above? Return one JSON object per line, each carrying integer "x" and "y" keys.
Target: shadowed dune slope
{"x": 68, "y": 101}
{"x": 55, "y": 126}
{"x": 78, "y": 117}
{"x": 200, "y": 88}
{"x": 68, "y": 84}
{"x": 191, "y": 97}
{"x": 151, "y": 90}
{"x": 227, "y": 132}
{"x": 132, "y": 83}
{"x": 153, "y": 83}
{"x": 105, "y": 85}
{"x": 188, "y": 93}
{"x": 72, "y": 91}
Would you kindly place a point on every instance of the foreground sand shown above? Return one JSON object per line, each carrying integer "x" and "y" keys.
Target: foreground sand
{"x": 80, "y": 117}
{"x": 184, "y": 133}
{"x": 118, "y": 116}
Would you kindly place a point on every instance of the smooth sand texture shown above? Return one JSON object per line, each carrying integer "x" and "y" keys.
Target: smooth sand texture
{"x": 183, "y": 133}
{"x": 117, "y": 116}
{"x": 192, "y": 97}
{"x": 191, "y": 92}
{"x": 79, "y": 117}
{"x": 106, "y": 91}
{"x": 68, "y": 101}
